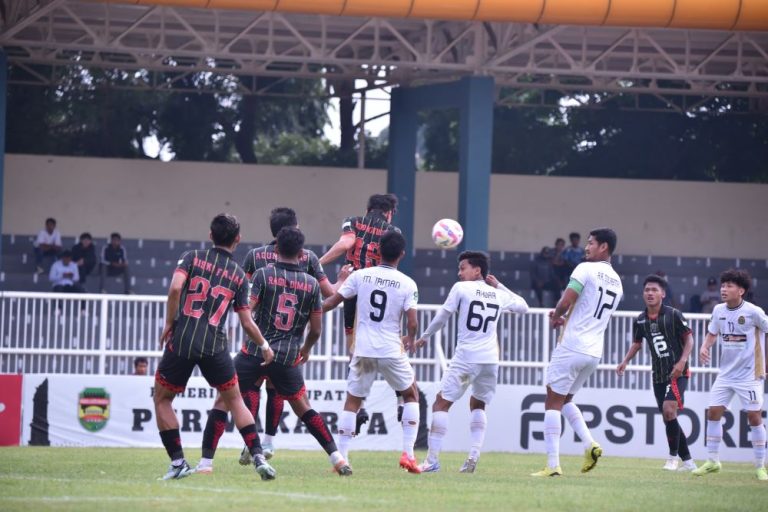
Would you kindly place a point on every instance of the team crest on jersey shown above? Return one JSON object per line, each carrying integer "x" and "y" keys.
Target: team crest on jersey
{"x": 654, "y": 326}
{"x": 741, "y": 320}
{"x": 93, "y": 408}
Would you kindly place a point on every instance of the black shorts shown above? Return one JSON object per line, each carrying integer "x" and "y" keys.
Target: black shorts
{"x": 350, "y": 307}
{"x": 288, "y": 381}
{"x": 174, "y": 371}
{"x": 671, "y": 391}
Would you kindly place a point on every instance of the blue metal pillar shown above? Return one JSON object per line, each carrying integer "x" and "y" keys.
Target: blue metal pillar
{"x": 3, "y": 94}
{"x": 401, "y": 176}
{"x": 475, "y": 139}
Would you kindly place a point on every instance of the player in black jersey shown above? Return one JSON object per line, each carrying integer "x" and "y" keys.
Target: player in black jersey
{"x": 204, "y": 286}
{"x": 359, "y": 240}
{"x": 284, "y": 299}
{"x": 255, "y": 259}
{"x": 670, "y": 342}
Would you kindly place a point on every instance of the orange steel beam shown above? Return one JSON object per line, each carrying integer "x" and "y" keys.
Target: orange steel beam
{"x": 690, "y": 14}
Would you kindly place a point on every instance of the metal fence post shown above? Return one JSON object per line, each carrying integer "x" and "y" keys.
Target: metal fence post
{"x": 328, "y": 329}
{"x": 103, "y": 314}
{"x": 545, "y": 336}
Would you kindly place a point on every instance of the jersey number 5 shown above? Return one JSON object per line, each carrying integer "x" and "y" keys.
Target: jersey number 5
{"x": 602, "y": 306}
{"x": 286, "y": 311}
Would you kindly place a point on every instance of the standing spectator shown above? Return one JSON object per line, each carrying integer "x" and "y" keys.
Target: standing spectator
{"x": 711, "y": 296}
{"x": 561, "y": 267}
{"x": 47, "y": 244}
{"x": 64, "y": 275}
{"x": 140, "y": 365}
{"x": 84, "y": 255}
{"x": 114, "y": 262}
{"x": 574, "y": 253}
{"x": 543, "y": 275}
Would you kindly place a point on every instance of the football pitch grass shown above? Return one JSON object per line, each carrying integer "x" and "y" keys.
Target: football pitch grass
{"x": 115, "y": 479}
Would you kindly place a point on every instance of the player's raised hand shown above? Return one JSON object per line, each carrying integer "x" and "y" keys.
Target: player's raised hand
{"x": 491, "y": 280}
{"x": 704, "y": 354}
{"x": 621, "y": 368}
{"x": 267, "y": 354}
{"x": 344, "y": 273}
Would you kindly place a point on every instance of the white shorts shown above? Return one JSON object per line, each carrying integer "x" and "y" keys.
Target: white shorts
{"x": 569, "y": 370}
{"x": 397, "y": 371}
{"x": 460, "y": 375}
{"x": 750, "y": 394}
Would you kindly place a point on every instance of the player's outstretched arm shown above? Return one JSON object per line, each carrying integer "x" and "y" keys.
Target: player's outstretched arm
{"x": 172, "y": 307}
{"x": 345, "y": 243}
{"x": 633, "y": 349}
{"x": 437, "y": 323}
{"x": 709, "y": 341}
{"x": 253, "y": 332}
{"x": 517, "y": 304}
{"x": 332, "y": 302}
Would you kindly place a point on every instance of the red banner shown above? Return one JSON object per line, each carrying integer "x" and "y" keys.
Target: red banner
{"x": 10, "y": 410}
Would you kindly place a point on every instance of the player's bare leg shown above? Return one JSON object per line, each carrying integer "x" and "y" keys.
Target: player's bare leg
{"x": 410, "y": 424}
{"x": 714, "y": 435}
{"x": 168, "y": 426}
{"x": 437, "y": 432}
{"x": 317, "y": 427}
{"x": 477, "y": 425}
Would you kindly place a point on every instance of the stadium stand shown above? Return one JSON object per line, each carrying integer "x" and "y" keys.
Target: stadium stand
{"x": 434, "y": 271}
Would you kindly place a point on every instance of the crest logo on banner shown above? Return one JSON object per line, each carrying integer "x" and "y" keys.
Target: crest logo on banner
{"x": 93, "y": 408}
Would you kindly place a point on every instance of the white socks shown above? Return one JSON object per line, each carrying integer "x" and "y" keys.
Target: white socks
{"x": 347, "y": 423}
{"x": 552, "y": 431}
{"x": 267, "y": 439}
{"x": 436, "y": 434}
{"x": 758, "y": 445}
{"x": 410, "y": 426}
{"x": 573, "y": 414}
{"x": 714, "y": 436}
{"x": 477, "y": 425}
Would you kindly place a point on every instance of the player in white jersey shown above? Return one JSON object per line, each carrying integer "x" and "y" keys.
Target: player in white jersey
{"x": 479, "y": 300}
{"x": 592, "y": 295}
{"x": 383, "y": 294}
{"x": 737, "y": 323}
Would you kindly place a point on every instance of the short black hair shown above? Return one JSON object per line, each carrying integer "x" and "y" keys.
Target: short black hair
{"x": 290, "y": 242}
{"x": 50, "y": 219}
{"x": 654, "y": 278}
{"x": 477, "y": 259}
{"x": 383, "y": 202}
{"x": 86, "y": 235}
{"x": 139, "y": 360}
{"x": 224, "y": 229}
{"x": 738, "y": 277}
{"x": 605, "y": 236}
{"x": 559, "y": 240}
{"x": 115, "y": 235}
{"x": 574, "y": 235}
{"x": 391, "y": 246}
{"x": 65, "y": 254}
{"x": 281, "y": 217}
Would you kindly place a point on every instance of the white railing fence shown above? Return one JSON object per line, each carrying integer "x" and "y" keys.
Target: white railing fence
{"x": 102, "y": 334}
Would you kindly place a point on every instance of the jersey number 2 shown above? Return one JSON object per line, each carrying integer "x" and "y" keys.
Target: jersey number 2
{"x": 198, "y": 293}
{"x": 602, "y": 306}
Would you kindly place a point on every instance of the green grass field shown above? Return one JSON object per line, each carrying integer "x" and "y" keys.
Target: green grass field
{"x": 125, "y": 479}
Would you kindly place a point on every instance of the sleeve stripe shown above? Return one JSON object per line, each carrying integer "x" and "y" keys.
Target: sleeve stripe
{"x": 181, "y": 271}
{"x": 240, "y": 308}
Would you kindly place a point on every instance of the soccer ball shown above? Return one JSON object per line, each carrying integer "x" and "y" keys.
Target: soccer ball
{"x": 447, "y": 233}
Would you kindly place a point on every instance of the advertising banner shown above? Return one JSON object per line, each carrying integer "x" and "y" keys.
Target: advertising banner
{"x": 10, "y": 409}
{"x": 72, "y": 410}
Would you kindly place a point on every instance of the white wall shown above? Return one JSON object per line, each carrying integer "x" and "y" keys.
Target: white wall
{"x": 151, "y": 199}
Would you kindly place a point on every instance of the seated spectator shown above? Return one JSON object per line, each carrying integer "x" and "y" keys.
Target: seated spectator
{"x": 114, "y": 262}
{"x": 140, "y": 366}
{"x": 561, "y": 267}
{"x": 47, "y": 244}
{"x": 710, "y": 297}
{"x": 64, "y": 275}
{"x": 543, "y": 275}
{"x": 84, "y": 255}
{"x": 574, "y": 253}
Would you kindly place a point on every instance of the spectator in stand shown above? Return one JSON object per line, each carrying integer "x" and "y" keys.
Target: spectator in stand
{"x": 561, "y": 267}
{"x": 114, "y": 262}
{"x": 47, "y": 244}
{"x": 140, "y": 366}
{"x": 84, "y": 255}
{"x": 710, "y": 297}
{"x": 64, "y": 275}
{"x": 543, "y": 275}
{"x": 574, "y": 253}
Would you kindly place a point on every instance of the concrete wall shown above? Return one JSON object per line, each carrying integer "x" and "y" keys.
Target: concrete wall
{"x": 150, "y": 199}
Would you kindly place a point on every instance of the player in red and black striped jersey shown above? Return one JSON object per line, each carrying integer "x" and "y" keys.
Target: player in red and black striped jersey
{"x": 670, "y": 342}
{"x": 258, "y": 258}
{"x": 284, "y": 300}
{"x": 203, "y": 289}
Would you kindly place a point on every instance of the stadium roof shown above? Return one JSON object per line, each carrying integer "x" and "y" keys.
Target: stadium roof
{"x": 682, "y": 52}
